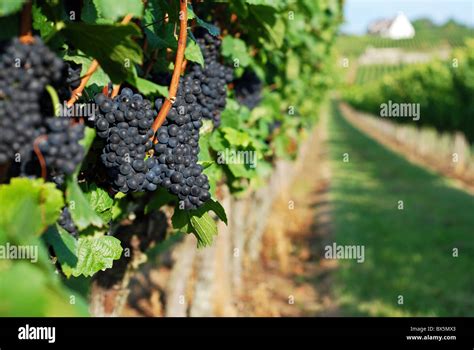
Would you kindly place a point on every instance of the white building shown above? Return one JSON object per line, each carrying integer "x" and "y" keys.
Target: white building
{"x": 396, "y": 28}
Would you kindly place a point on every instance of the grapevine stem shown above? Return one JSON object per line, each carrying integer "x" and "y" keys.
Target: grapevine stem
{"x": 183, "y": 32}
{"x": 40, "y": 155}
{"x": 54, "y": 99}
{"x": 77, "y": 93}
{"x": 25, "y": 27}
{"x": 115, "y": 90}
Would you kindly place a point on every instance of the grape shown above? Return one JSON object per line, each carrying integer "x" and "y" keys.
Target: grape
{"x": 208, "y": 86}
{"x": 175, "y": 165}
{"x": 65, "y": 221}
{"x": 125, "y": 124}
{"x": 25, "y": 70}
{"x": 248, "y": 89}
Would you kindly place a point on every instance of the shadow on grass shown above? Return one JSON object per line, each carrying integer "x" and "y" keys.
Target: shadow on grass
{"x": 409, "y": 252}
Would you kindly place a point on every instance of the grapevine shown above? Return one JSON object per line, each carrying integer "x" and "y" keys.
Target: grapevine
{"x": 114, "y": 125}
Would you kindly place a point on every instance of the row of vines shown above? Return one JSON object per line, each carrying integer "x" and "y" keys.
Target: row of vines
{"x": 443, "y": 90}
{"x": 126, "y": 124}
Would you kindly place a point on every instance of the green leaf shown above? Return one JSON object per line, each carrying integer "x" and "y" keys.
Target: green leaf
{"x": 120, "y": 205}
{"x": 84, "y": 256}
{"x": 99, "y": 78}
{"x": 205, "y": 228}
{"x": 218, "y": 142}
{"x": 270, "y": 3}
{"x": 236, "y": 137}
{"x": 111, "y": 45}
{"x": 100, "y": 201}
{"x": 161, "y": 41}
{"x": 198, "y": 222}
{"x": 114, "y": 10}
{"x": 28, "y": 291}
{"x": 212, "y": 29}
{"x": 10, "y": 6}
{"x": 191, "y": 14}
{"x": 216, "y": 207}
{"x": 239, "y": 170}
{"x": 180, "y": 221}
{"x": 63, "y": 244}
{"x": 148, "y": 88}
{"x": 193, "y": 52}
{"x": 82, "y": 213}
{"x": 41, "y": 22}
{"x": 235, "y": 48}
{"x": 206, "y": 163}
{"x": 95, "y": 254}
{"x": 28, "y": 206}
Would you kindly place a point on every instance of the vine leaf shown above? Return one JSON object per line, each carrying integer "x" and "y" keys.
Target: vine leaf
{"x": 86, "y": 255}
{"x": 99, "y": 78}
{"x": 113, "y": 9}
{"x": 235, "y": 48}
{"x": 10, "y": 6}
{"x": 114, "y": 48}
{"x": 216, "y": 207}
{"x": 82, "y": 213}
{"x": 100, "y": 201}
{"x": 28, "y": 206}
{"x": 28, "y": 291}
{"x": 148, "y": 88}
{"x": 42, "y": 23}
{"x": 212, "y": 29}
{"x": 204, "y": 228}
{"x": 199, "y": 222}
{"x": 193, "y": 52}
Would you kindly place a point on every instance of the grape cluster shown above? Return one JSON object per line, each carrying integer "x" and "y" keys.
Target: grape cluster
{"x": 65, "y": 221}
{"x": 213, "y": 78}
{"x": 248, "y": 89}
{"x": 125, "y": 123}
{"x": 73, "y": 79}
{"x": 61, "y": 149}
{"x": 25, "y": 70}
{"x": 176, "y": 153}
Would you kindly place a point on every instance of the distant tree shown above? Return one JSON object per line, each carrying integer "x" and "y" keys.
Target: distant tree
{"x": 423, "y": 24}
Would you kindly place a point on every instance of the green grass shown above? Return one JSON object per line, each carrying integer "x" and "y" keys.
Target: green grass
{"x": 407, "y": 252}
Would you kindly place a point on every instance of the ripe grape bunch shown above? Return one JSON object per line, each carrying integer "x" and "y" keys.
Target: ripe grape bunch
{"x": 61, "y": 149}
{"x": 25, "y": 70}
{"x": 213, "y": 78}
{"x": 125, "y": 123}
{"x": 248, "y": 89}
{"x": 177, "y": 150}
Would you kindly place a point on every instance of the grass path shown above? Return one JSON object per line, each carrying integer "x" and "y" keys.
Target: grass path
{"x": 409, "y": 252}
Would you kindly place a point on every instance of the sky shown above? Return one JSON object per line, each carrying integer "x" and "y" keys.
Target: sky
{"x": 359, "y": 13}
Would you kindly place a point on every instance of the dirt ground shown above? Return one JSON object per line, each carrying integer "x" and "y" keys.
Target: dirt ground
{"x": 292, "y": 280}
